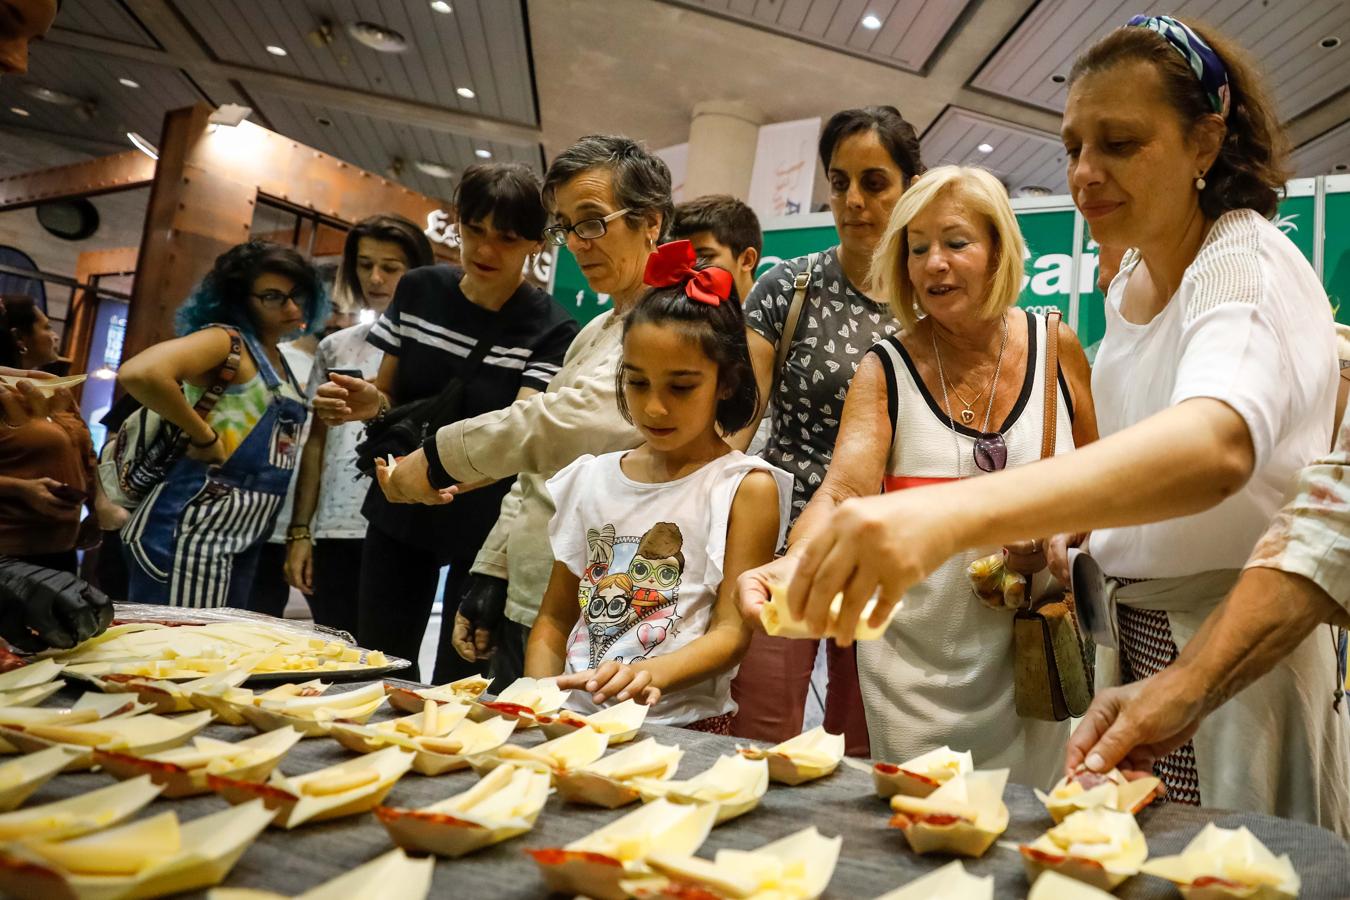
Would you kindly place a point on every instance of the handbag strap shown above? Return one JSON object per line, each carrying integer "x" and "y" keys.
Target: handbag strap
{"x": 794, "y": 318}
{"x": 1051, "y": 383}
{"x": 224, "y": 377}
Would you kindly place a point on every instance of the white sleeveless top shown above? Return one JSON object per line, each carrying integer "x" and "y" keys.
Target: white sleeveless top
{"x": 943, "y": 673}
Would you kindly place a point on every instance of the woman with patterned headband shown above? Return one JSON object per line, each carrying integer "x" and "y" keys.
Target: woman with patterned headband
{"x": 1214, "y": 385}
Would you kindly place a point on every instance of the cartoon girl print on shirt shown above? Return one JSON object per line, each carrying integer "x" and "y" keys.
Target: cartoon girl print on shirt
{"x": 631, "y": 588}
{"x": 599, "y": 557}
{"x": 657, "y": 567}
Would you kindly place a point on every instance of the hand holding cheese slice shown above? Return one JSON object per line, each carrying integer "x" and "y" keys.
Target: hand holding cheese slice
{"x": 571, "y": 751}
{"x": 951, "y": 882}
{"x": 597, "y": 864}
{"x": 348, "y": 788}
{"x": 183, "y": 770}
{"x": 524, "y": 700}
{"x": 147, "y": 858}
{"x": 619, "y": 723}
{"x": 78, "y": 815}
{"x": 392, "y": 876}
{"x": 20, "y": 777}
{"x": 921, "y": 775}
{"x": 1098, "y": 846}
{"x": 1221, "y": 863}
{"x": 806, "y": 757}
{"x": 314, "y": 716}
{"x": 797, "y": 867}
{"x": 609, "y": 782}
{"x": 734, "y": 784}
{"x": 503, "y": 805}
{"x": 777, "y": 618}
{"x": 1086, "y": 789}
{"x": 963, "y": 817}
{"x": 409, "y": 700}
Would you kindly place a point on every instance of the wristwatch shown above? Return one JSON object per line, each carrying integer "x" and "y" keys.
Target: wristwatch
{"x": 297, "y": 533}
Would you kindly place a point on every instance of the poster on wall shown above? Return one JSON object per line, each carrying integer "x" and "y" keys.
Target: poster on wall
{"x": 785, "y": 155}
{"x": 676, "y": 157}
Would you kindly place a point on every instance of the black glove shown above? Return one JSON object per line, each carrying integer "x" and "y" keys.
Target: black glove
{"x": 483, "y": 601}
{"x": 47, "y": 608}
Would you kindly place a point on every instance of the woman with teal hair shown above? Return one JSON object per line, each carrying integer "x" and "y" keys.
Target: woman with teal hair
{"x": 223, "y": 381}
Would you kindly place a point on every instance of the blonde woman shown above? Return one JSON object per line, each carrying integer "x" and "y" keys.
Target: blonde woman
{"x": 959, "y": 392}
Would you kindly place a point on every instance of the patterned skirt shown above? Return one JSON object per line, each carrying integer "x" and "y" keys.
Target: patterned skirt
{"x": 714, "y": 725}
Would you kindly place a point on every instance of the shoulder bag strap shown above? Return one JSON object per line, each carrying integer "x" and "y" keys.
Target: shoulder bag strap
{"x": 1051, "y": 383}
{"x": 794, "y": 317}
{"x": 224, "y": 376}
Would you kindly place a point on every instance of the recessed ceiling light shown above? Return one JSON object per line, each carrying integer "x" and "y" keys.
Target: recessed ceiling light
{"x": 377, "y": 37}
{"x": 1339, "y": 167}
{"x": 47, "y": 95}
{"x": 871, "y": 22}
{"x": 985, "y": 148}
{"x": 127, "y": 82}
{"x": 1033, "y": 190}
{"x": 143, "y": 145}
{"x": 323, "y": 120}
{"x": 1058, "y": 78}
{"x": 275, "y": 50}
{"x": 434, "y": 169}
{"x": 1329, "y": 43}
{"x": 466, "y": 93}
{"x": 20, "y": 111}
{"x": 441, "y": 6}
{"x": 483, "y": 154}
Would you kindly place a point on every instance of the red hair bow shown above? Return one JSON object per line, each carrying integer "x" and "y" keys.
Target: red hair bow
{"x": 673, "y": 263}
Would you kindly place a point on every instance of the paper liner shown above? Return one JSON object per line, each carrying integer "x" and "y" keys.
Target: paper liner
{"x": 797, "y": 867}
{"x": 1099, "y": 829}
{"x": 1053, "y": 886}
{"x": 571, "y": 751}
{"x": 228, "y": 703}
{"x": 921, "y": 775}
{"x": 597, "y": 864}
{"x": 951, "y": 882}
{"x": 524, "y": 700}
{"x": 1111, "y": 790}
{"x": 292, "y": 806}
{"x": 167, "y": 767}
{"x": 806, "y": 757}
{"x": 1221, "y": 863}
{"x": 78, "y": 815}
{"x": 30, "y": 696}
{"x": 609, "y": 782}
{"x": 314, "y": 716}
{"x": 733, "y": 784}
{"x": 31, "y": 675}
{"x": 619, "y": 723}
{"x": 777, "y": 619}
{"x": 503, "y": 805}
{"x": 140, "y": 735}
{"x": 209, "y": 847}
{"x": 409, "y": 700}
{"x": 169, "y": 697}
{"x": 963, "y": 817}
{"x": 391, "y": 876}
{"x": 405, "y": 731}
{"x": 89, "y": 708}
{"x": 475, "y": 737}
{"x": 20, "y": 777}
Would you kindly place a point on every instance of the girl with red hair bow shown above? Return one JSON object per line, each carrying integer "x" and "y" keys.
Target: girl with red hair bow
{"x": 686, "y": 510}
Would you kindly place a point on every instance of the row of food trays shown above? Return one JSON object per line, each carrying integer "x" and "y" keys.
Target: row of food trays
{"x": 146, "y": 733}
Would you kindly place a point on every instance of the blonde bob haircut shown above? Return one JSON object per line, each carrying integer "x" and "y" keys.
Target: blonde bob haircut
{"x": 979, "y": 192}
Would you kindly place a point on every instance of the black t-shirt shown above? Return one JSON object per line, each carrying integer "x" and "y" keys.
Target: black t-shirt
{"x": 433, "y": 328}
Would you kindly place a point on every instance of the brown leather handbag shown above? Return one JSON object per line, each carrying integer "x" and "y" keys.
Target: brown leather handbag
{"x": 1051, "y": 677}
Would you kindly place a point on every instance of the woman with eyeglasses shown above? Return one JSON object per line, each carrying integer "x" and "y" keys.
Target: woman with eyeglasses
{"x": 439, "y": 316}
{"x": 960, "y": 391}
{"x": 610, "y": 201}
{"x": 194, "y": 541}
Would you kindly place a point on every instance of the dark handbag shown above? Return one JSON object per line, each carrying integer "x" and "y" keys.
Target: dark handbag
{"x": 1051, "y": 677}
{"x": 404, "y": 428}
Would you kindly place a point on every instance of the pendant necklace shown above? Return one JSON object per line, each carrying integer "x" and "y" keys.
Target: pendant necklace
{"x": 946, "y": 402}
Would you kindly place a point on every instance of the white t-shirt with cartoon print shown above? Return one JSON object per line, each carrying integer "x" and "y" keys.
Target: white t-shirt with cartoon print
{"x": 650, "y": 558}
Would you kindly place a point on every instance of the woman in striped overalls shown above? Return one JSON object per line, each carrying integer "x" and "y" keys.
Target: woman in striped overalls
{"x": 194, "y": 540}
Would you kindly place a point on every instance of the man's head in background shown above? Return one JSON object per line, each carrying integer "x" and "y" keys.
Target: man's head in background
{"x": 725, "y": 232}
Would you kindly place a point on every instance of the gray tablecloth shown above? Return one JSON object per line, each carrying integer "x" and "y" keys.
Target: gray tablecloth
{"x": 874, "y": 858}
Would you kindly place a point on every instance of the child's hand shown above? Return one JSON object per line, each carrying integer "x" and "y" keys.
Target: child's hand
{"x": 616, "y": 680}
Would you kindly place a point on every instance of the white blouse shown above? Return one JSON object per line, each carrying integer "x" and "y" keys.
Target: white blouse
{"x": 1250, "y": 326}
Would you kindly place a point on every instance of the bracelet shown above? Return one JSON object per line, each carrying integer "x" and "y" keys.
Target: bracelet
{"x": 298, "y": 533}
{"x": 215, "y": 436}
{"x": 384, "y": 408}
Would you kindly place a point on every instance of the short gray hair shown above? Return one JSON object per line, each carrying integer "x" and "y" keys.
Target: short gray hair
{"x": 641, "y": 179}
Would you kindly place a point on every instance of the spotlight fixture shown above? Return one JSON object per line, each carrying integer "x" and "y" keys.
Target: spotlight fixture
{"x": 483, "y": 154}
{"x": 441, "y": 6}
{"x": 230, "y": 114}
{"x": 377, "y": 37}
{"x": 1033, "y": 190}
{"x": 1331, "y": 42}
{"x": 466, "y": 93}
{"x": 1058, "y": 78}
{"x": 276, "y": 51}
{"x": 1341, "y": 167}
{"x": 47, "y": 95}
{"x": 985, "y": 148}
{"x": 324, "y": 121}
{"x": 20, "y": 111}
{"x": 434, "y": 169}
{"x": 143, "y": 145}
{"x": 127, "y": 82}
{"x": 103, "y": 373}
{"x": 871, "y": 22}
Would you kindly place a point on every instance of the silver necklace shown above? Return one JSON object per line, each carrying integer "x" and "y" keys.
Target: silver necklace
{"x": 993, "y": 389}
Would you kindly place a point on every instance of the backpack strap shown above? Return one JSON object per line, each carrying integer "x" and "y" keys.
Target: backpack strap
{"x": 794, "y": 317}
{"x": 1051, "y": 383}
{"x": 224, "y": 376}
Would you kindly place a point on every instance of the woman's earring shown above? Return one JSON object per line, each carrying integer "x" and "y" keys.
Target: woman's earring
{"x": 1199, "y": 182}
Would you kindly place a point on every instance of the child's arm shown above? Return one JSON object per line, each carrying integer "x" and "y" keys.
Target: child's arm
{"x": 546, "y": 650}
{"x": 752, "y": 535}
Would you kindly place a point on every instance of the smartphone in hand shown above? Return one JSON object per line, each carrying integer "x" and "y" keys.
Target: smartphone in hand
{"x": 68, "y": 494}
{"x": 350, "y": 373}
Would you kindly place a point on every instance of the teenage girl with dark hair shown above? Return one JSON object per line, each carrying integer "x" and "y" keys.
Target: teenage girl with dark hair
{"x": 327, "y": 530}
{"x": 194, "y": 540}
{"x": 438, "y": 316}
{"x": 683, "y": 515}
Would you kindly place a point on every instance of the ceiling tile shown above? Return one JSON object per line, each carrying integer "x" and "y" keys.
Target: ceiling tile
{"x": 1019, "y": 156}
{"x": 1324, "y": 153}
{"x": 103, "y": 18}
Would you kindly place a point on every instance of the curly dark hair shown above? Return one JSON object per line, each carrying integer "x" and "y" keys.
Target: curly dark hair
{"x": 1253, "y": 162}
{"x": 720, "y": 333}
{"x": 895, "y": 134}
{"x": 222, "y": 295}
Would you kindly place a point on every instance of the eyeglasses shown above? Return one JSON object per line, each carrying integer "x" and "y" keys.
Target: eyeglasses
{"x": 991, "y": 452}
{"x": 586, "y": 229}
{"x": 278, "y": 299}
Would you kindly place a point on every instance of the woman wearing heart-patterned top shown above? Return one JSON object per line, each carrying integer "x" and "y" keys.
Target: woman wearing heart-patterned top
{"x": 869, "y": 155}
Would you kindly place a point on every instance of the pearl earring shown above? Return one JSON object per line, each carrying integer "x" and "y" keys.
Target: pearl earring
{"x": 1199, "y": 182}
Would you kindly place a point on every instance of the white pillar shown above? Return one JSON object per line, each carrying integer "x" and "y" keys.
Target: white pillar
{"x": 722, "y": 140}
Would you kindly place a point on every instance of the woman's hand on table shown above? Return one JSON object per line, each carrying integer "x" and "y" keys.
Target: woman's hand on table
{"x": 613, "y": 680}
{"x": 1133, "y": 726}
{"x": 343, "y": 399}
{"x": 407, "y": 481}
